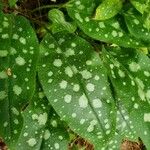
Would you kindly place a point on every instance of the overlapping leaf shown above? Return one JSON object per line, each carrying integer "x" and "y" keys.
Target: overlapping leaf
{"x": 42, "y": 128}
{"x": 129, "y": 71}
{"x": 18, "y": 57}
{"x": 141, "y": 5}
{"x": 108, "y": 9}
{"x": 135, "y": 24}
{"x": 110, "y": 31}
{"x": 75, "y": 83}
{"x": 59, "y": 22}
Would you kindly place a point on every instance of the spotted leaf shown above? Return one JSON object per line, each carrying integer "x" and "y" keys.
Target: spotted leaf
{"x": 59, "y": 22}
{"x": 42, "y": 128}
{"x": 108, "y": 9}
{"x": 111, "y": 31}
{"x": 75, "y": 83}
{"x": 129, "y": 72}
{"x": 18, "y": 57}
{"x": 137, "y": 28}
{"x": 140, "y": 5}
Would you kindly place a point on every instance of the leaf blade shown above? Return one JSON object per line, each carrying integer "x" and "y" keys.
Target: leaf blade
{"x": 16, "y": 40}
{"x": 75, "y": 93}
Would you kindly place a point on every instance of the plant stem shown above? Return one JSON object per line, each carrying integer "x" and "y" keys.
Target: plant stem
{"x": 48, "y": 6}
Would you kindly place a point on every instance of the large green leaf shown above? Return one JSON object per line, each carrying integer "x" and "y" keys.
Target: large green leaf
{"x": 108, "y": 9}
{"x": 18, "y": 58}
{"x": 110, "y": 31}
{"x": 129, "y": 72}
{"x": 75, "y": 83}
{"x": 42, "y": 128}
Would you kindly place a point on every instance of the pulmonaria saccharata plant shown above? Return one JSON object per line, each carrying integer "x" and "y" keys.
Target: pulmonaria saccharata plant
{"x": 89, "y": 75}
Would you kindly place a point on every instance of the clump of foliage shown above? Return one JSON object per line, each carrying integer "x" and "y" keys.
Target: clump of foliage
{"x": 74, "y": 74}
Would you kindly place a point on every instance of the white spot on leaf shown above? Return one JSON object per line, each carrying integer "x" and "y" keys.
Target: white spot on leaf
{"x": 3, "y": 53}
{"x": 42, "y": 119}
{"x": 97, "y": 103}
{"x": 76, "y": 87}
{"x": 148, "y": 94}
{"x": 147, "y": 117}
{"x": 63, "y": 84}
{"x": 56, "y": 145}
{"x": 15, "y": 111}
{"x": 31, "y": 142}
{"x": 22, "y": 40}
{"x": 20, "y": 61}
{"x": 90, "y": 87}
{"x": 69, "y": 71}
{"x": 69, "y": 52}
{"x": 121, "y": 73}
{"x": 67, "y": 98}
{"x": 114, "y": 33}
{"x": 146, "y": 73}
{"x": 78, "y": 17}
{"x": 3, "y": 95}
{"x": 47, "y": 135}
{"x": 57, "y": 62}
{"x": 134, "y": 67}
{"x": 17, "y": 89}
{"x": 50, "y": 73}
{"x": 101, "y": 25}
{"x": 86, "y": 74}
{"x": 83, "y": 102}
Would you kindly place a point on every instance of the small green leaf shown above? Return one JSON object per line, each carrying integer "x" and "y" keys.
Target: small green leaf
{"x": 12, "y": 3}
{"x": 75, "y": 83}
{"x": 18, "y": 58}
{"x": 59, "y": 22}
{"x": 108, "y": 9}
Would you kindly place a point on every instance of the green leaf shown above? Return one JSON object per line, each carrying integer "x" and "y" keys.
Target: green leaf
{"x": 59, "y": 22}
{"x": 111, "y": 31}
{"x": 108, "y": 9}
{"x": 131, "y": 68}
{"x": 59, "y": 137}
{"x": 75, "y": 83}
{"x": 136, "y": 27}
{"x": 147, "y": 21}
{"x": 18, "y": 58}
{"x": 42, "y": 128}
{"x": 12, "y": 3}
{"x": 140, "y": 5}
